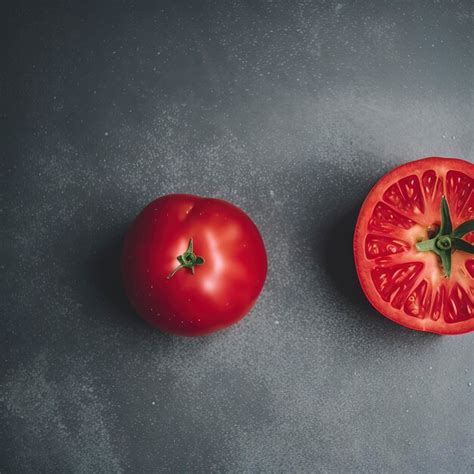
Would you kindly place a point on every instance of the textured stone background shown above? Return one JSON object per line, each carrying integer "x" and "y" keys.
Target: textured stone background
{"x": 291, "y": 110}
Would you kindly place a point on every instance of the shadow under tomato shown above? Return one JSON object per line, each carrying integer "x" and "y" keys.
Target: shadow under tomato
{"x": 104, "y": 274}
{"x": 338, "y": 259}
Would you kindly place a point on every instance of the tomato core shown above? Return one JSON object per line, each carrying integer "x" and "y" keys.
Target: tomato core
{"x": 447, "y": 239}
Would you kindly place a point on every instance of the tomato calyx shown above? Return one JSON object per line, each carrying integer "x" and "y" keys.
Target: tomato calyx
{"x": 448, "y": 240}
{"x": 187, "y": 260}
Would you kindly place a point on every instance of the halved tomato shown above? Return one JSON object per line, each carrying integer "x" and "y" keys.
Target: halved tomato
{"x": 413, "y": 245}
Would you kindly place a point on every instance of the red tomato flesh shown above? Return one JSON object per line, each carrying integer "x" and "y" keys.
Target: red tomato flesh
{"x": 222, "y": 289}
{"x": 406, "y": 285}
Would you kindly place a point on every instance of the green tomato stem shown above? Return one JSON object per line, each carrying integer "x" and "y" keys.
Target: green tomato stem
{"x": 448, "y": 239}
{"x": 187, "y": 260}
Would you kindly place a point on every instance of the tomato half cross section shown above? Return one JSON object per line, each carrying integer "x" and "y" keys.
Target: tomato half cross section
{"x": 413, "y": 245}
{"x": 193, "y": 265}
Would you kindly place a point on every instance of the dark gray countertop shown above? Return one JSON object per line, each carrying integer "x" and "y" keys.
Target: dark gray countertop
{"x": 291, "y": 110}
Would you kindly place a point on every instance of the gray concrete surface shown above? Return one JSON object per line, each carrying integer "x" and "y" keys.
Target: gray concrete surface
{"x": 291, "y": 110}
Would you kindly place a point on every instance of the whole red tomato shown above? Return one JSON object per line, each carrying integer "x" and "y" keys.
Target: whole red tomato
{"x": 413, "y": 245}
{"x": 193, "y": 265}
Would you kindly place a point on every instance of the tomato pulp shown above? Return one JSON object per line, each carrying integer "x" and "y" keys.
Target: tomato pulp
{"x": 193, "y": 265}
{"x": 411, "y": 270}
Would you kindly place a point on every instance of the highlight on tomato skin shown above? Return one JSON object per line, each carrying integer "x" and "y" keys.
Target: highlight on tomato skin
{"x": 193, "y": 265}
{"x": 414, "y": 245}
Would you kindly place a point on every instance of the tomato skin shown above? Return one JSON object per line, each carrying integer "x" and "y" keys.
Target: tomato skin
{"x": 429, "y": 287}
{"x": 220, "y": 292}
